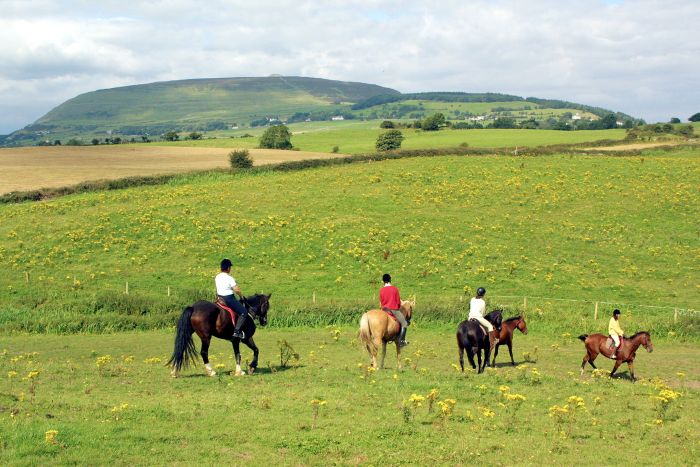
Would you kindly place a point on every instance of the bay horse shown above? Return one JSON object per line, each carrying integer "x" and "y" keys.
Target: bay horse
{"x": 472, "y": 337}
{"x": 377, "y": 328}
{"x": 506, "y": 336}
{"x": 208, "y": 320}
{"x": 596, "y": 343}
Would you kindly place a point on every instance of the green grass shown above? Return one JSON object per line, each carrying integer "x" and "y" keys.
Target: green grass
{"x": 129, "y": 411}
{"x": 611, "y": 229}
{"x": 356, "y": 137}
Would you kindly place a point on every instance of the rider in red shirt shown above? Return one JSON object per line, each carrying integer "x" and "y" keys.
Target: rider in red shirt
{"x": 390, "y": 299}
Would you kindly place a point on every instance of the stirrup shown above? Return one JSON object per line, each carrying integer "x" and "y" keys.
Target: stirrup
{"x": 403, "y": 343}
{"x": 239, "y": 334}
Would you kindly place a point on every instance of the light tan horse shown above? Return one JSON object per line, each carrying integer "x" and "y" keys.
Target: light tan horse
{"x": 377, "y": 328}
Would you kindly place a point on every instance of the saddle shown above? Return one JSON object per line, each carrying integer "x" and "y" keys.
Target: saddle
{"x": 483, "y": 328}
{"x": 610, "y": 344}
{"x": 222, "y": 305}
{"x": 390, "y": 313}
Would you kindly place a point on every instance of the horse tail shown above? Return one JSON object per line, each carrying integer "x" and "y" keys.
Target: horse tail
{"x": 583, "y": 337}
{"x": 366, "y": 334}
{"x": 184, "y": 352}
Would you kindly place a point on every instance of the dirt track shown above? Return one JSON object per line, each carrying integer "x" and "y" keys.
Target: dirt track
{"x": 31, "y": 168}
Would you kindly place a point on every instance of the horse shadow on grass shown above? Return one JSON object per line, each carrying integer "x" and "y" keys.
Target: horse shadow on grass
{"x": 258, "y": 371}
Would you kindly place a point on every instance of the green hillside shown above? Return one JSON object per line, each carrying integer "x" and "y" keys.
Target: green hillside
{"x": 228, "y": 104}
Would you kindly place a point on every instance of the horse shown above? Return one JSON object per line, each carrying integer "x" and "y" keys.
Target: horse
{"x": 472, "y": 337}
{"x": 377, "y": 328}
{"x": 596, "y": 343}
{"x": 208, "y": 320}
{"x": 506, "y": 336}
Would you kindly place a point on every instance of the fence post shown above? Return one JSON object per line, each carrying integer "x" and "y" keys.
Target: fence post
{"x": 313, "y": 297}
{"x": 126, "y": 290}
{"x": 675, "y": 315}
{"x": 595, "y": 313}
{"x": 524, "y": 303}
{"x": 168, "y": 291}
{"x": 26, "y": 277}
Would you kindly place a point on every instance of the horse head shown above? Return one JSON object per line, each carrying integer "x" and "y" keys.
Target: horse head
{"x": 646, "y": 341}
{"x": 258, "y": 305}
{"x": 522, "y": 326}
{"x": 495, "y": 318}
{"x": 407, "y": 308}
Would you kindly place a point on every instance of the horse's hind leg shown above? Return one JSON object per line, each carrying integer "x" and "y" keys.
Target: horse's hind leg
{"x": 461, "y": 356}
{"x": 237, "y": 355}
{"x": 510, "y": 351}
{"x": 398, "y": 355}
{"x": 470, "y": 356}
{"x": 383, "y": 354}
{"x": 478, "y": 357}
{"x": 205, "y": 355}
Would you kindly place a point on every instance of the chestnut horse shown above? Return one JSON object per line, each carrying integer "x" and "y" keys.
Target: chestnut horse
{"x": 596, "y": 343}
{"x": 377, "y": 328}
{"x": 208, "y": 320}
{"x": 506, "y": 336}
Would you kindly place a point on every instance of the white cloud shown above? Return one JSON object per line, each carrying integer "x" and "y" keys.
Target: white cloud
{"x": 638, "y": 57}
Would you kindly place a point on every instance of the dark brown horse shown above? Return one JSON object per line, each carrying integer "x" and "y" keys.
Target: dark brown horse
{"x": 208, "y": 320}
{"x": 473, "y": 338}
{"x": 596, "y": 343}
{"x": 506, "y": 335}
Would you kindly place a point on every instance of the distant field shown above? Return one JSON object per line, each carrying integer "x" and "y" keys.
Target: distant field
{"x": 32, "y": 168}
{"x": 354, "y": 137}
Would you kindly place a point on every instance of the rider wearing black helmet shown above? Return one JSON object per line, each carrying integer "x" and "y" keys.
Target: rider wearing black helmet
{"x": 477, "y": 310}
{"x": 226, "y": 286}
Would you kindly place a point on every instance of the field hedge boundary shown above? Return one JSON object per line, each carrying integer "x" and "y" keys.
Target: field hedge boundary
{"x": 151, "y": 180}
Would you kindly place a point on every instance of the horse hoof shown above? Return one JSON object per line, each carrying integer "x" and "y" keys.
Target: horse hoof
{"x": 251, "y": 370}
{"x": 240, "y": 373}
{"x": 211, "y": 373}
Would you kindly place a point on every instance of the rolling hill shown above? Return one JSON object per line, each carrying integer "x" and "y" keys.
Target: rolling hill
{"x": 222, "y": 104}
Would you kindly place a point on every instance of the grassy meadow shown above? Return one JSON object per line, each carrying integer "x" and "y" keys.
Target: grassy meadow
{"x": 107, "y": 399}
{"x": 608, "y": 229}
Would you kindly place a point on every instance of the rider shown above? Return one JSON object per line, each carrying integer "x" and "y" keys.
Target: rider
{"x": 225, "y": 288}
{"x": 390, "y": 300}
{"x": 477, "y": 310}
{"x": 615, "y": 330}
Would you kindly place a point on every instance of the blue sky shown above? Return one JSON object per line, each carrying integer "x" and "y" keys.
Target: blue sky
{"x": 640, "y": 57}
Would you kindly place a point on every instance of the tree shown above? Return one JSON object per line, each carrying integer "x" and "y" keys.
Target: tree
{"x": 276, "y": 137}
{"x": 240, "y": 159}
{"x": 389, "y": 141}
{"x": 507, "y": 122}
{"x": 95, "y": 141}
{"x": 694, "y": 117}
{"x": 386, "y": 124}
{"x": 433, "y": 122}
{"x": 675, "y": 120}
{"x": 171, "y": 136}
{"x": 195, "y": 135}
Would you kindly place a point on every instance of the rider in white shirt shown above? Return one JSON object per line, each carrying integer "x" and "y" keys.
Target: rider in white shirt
{"x": 226, "y": 286}
{"x": 477, "y": 310}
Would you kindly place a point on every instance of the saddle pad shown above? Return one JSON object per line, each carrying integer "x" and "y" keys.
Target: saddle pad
{"x": 476, "y": 321}
{"x": 220, "y": 303}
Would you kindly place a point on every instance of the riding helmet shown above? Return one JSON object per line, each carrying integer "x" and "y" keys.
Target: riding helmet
{"x": 225, "y": 264}
{"x": 616, "y": 312}
{"x": 386, "y": 278}
{"x": 480, "y": 291}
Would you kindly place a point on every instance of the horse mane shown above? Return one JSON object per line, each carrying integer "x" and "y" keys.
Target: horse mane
{"x": 637, "y": 334}
{"x": 512, "y": 318}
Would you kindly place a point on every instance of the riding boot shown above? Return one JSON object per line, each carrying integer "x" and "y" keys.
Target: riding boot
{"x": 402, "y": 337}
{"x": 239, "y": 324}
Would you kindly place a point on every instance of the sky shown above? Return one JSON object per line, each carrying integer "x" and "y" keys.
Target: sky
{"x": 638, "y": 57}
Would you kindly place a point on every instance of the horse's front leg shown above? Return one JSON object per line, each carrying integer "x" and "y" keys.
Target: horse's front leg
{"x": 254, "y": 364}
{"x": 630, "y": 365}
{"x": 617, "y": 365}
{"x": 495, "y": 354}
{"x": 510, "y": 351}
{"x": 205, "y": 355}
{"x": 478, "y": 357}
{"x": 398, "y": 355}
{"x": 237, "y": 352}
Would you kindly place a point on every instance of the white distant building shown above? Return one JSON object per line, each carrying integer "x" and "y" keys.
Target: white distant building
{"x": 337, "y": 118}
{"x": 576, "y": 117}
